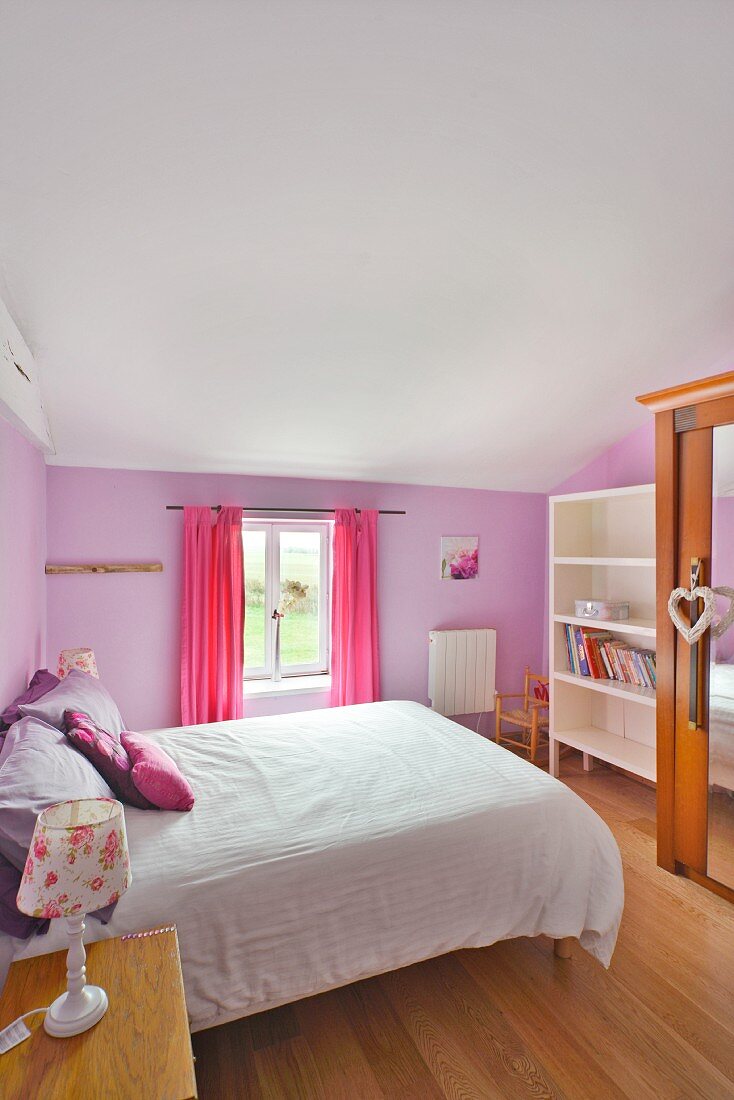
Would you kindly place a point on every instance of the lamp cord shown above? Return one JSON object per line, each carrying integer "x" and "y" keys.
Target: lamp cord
{"x": 33, "y": 1012}
{"x": 16, "y": 1032}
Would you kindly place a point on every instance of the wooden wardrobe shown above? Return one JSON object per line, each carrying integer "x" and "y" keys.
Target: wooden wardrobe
{"x": 694, "y": 461}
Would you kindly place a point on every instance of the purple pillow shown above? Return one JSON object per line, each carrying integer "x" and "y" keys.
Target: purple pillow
{"x": 77, "y": 691}
{"x": 107, "y": 754}
{"x": 39, "y": 768}
{"x": 155, "y": 775}
{"x": 40, "y": 685}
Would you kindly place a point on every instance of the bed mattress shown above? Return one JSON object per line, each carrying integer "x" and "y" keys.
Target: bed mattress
{"x": 330, "y": 845}
{"x": 721, "y": 725}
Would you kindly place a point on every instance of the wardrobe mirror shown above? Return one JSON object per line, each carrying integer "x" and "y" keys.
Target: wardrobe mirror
{"x": 721, "y": 681}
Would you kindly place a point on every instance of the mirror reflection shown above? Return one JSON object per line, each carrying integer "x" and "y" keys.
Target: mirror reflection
{"x": 721, "y": 683}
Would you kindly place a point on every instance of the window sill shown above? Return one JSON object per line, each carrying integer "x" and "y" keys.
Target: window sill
{"x": 293, "y": 685}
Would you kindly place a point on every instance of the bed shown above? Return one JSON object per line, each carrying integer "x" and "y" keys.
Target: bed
{"x": 331, "y": 845}
{"x": 721, "y": 727}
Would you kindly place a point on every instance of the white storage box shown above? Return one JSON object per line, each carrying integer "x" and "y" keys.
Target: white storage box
{"x": 610, "y": 610}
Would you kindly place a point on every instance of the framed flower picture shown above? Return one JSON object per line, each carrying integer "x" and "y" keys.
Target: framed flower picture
{"x": 459, "y": 557}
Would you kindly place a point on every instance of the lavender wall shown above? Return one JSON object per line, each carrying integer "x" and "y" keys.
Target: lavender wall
{"x": 132, "y": 620}
{"x": 631, "y": 461}
{"x": 22, "y": 560}
{"x": 722, "y": 569}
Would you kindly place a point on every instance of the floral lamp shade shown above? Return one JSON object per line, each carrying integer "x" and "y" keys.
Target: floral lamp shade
{"x": 78, "y": 859}
{"x": 81, "y": 659}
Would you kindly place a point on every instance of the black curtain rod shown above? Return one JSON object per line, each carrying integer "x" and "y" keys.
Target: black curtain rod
{"x": 217, "y": 508}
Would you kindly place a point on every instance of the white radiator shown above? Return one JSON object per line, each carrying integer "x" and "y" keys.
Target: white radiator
{"x": 461, "y": 670}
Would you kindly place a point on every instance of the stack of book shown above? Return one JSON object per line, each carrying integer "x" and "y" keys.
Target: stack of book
{"x": 602, "y": 656}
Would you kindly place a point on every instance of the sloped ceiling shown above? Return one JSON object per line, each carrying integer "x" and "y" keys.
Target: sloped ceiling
{"x": 406, "y": 240}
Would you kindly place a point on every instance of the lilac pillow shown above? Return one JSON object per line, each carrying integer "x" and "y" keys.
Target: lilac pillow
{"x": 155, "y": 775}
{"x": 39, "y": 768}
{"x": 107, "y": 754}
{"x": 39, "y": 686}
{"x": 77, "y": 691}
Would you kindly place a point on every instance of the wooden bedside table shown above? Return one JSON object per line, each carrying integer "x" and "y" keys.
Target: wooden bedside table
{"x": 141, "y": 1048}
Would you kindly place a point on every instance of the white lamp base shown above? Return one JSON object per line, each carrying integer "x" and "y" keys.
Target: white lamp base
{"x": 70, "y": 1014}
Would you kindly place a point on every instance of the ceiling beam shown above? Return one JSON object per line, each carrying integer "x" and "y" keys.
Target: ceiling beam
{"x": 20, "y": 393}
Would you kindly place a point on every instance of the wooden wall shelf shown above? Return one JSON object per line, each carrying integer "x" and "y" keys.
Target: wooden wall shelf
{"x": 142, "y": 567}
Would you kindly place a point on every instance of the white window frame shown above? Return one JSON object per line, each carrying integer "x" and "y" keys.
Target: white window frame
{"x": 273, "y": 530}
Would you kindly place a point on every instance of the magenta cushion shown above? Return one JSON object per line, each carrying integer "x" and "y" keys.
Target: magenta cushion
{"x": 42, "y": 682}
{"x": 155, "y": 775}
{"x": 107, "y": 754}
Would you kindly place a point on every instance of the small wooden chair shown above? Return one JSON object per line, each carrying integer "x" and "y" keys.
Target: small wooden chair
{"x": 531, "y": 717}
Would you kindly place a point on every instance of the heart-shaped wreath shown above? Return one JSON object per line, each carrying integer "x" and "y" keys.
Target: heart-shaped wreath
{"x": 725, "y": 622}
{"x": 708, "y": 595}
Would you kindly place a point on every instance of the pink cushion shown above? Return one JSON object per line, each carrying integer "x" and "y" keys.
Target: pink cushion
{"x": 155, "y": 775}
{"x": 107, "y": 755}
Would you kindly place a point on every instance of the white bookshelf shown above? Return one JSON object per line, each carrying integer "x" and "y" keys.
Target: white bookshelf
{"x": 602, "y": 546}
{"x": 644, "y": 628}
{"x": 631, "y": 563}
{"x": 610, "y": 687}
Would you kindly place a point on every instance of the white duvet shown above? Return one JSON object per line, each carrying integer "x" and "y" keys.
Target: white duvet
{"x": 721, "y": 727}
{"x": 331, "y": 845}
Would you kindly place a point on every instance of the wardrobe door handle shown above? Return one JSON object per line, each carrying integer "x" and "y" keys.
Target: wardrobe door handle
{"x": 694, "y": 692}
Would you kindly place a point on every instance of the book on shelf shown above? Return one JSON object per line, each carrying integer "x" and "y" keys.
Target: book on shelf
{"x": 580, "y": 646}
{"x": 599, "y": 655}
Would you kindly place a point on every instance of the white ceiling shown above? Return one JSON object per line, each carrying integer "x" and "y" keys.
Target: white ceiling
{"x": 407, "y": 240}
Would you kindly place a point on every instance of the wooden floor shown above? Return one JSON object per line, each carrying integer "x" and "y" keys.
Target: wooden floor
{"x": 511, "y": 1020}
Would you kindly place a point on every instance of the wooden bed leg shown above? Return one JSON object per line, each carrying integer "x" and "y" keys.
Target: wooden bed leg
{"x": 562, "y": 948}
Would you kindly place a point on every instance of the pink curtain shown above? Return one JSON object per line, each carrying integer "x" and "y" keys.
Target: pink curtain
{"x": 213, "y": 617}
{"x": 195, "y": 615}
{"x": 355, "y": 660}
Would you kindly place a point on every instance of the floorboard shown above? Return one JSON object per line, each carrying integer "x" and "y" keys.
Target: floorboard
{"x": 512, "y": 1021}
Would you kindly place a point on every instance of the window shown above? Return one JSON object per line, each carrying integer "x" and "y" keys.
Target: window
{"x": 286, "y": 566}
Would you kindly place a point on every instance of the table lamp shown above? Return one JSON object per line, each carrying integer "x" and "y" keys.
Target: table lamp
{"x": 77, "y": 862}
{"x": 82, "y": 659}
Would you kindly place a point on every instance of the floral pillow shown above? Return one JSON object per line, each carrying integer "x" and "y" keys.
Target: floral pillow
{"x": 107, "y": 754}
